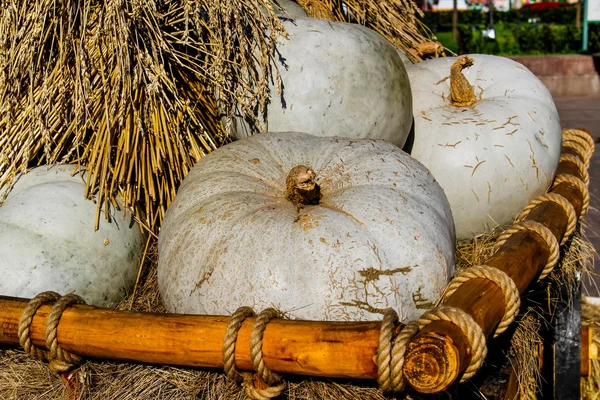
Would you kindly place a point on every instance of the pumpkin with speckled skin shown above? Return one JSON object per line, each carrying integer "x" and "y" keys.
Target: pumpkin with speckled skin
{"x": 376, "y": 234}
{"x": 493, "y": 156}
{"x": 337, "y": 79}
{"x": 48, "y": 241}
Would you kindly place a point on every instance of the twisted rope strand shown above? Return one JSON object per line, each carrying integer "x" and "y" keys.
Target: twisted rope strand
{"x": 512, "y": 298}
{"x": 60, "y": 359}
{"x": 230, "y": 340}
{"x": 275, "y": 381}
{"x": 24, "y": 330}
{"x": 582, "y": 137}
{"x": 579, "y": 184}
{"x": 384, "y": 351}
{"x": 579, "y": 148}
{"x": 561, "y": 201}
{"x": 399, "y": 351}
{"x": 543, "y": 231}
{"x": 580, "y": 166}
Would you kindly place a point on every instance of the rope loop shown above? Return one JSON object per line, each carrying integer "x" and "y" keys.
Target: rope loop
{"x": 543, "y": 231}
{"x": 579, "y": 184}
{"x": 24, "y": 330}
{"x": 581, "y": 168}
{"x": 512, "y": 298}
{"x": 230, "y": 340}
{"x": 59, "y": 359}
{"x": 275, "y": 381}
{"x": 384, "y": 351}
{"x": 561, "y": 201}
{"x": 581, "y": 137}
{"x": 391, "y": 351}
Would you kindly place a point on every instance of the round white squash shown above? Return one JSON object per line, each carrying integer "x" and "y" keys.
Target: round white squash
{"x": 338, "y": 79}
{"x": 48, "y": 241}
{"x": 380, "y": 236}
{"x": 494, "y": 155}
{"x": 290, "y": 9}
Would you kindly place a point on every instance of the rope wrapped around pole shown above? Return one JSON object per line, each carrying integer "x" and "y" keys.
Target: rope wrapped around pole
{"x": 526, "y": 252}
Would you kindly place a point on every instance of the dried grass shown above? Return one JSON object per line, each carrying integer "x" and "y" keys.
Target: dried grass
{"x": 396, "y": 20}
{"x": 524, "y": 355}
{"x": 126, "y": 89}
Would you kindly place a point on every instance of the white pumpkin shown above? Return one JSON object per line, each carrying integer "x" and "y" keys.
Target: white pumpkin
{"x": 380, "y": 236}
{"x": 338, "y": 79}
{"x": 290, "y": 9}
{"x": 494, "y": 155}
{"x": 48, "y": 241}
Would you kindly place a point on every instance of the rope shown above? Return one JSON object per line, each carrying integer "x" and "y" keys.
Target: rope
{"x": 560, "y": 200}
{"x": 256, "y": 353}
{"x": 59, "y": 359}
{"x": 580, "y": 166}
{"x": 230, "y": 340}
{"x": 578, "y": 183}
{"x": 512, "y": 298}
{"x": 543, "y": 231}
{"x": 391, "y": 352}
{"x": 581, "y": 137}
{"x": 579, "y": 148}
{"x": 384, "y": 351}
{"x": 470, "y": 329}
{"x": 399, "y": 351}
{"x": 261, "y": 394}
{"x": 275, "y": 382}
{"x": 24, "y": 330}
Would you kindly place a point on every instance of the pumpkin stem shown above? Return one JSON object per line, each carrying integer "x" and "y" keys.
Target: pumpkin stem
{"x": 301, "y": 186}
{"x": 461, "y": 92}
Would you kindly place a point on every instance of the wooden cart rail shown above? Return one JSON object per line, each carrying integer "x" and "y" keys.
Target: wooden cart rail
{"x": 434, "y": 359}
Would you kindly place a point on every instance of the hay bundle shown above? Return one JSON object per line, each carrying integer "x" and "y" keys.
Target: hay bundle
{"x": 126, "y": 88}
{"x": 396, "y": 20}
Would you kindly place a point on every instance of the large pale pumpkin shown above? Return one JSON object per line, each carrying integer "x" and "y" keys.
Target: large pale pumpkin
{"x": 490, "y": 134}
{"x": 338, "y": 79}
{"x": 321, "y": 228}
{"x": 48, "y": 241}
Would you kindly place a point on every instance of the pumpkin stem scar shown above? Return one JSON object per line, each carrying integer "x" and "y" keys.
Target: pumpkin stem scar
{"x": 301, "y": 186}
{"x": 462, "y": 93}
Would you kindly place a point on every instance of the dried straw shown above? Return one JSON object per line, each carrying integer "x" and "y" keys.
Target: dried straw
{"x": 396, "y": 20}
{"x": 126, "y": 88}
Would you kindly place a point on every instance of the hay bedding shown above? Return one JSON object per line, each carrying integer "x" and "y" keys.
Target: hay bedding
{"x": 22, "y": 377}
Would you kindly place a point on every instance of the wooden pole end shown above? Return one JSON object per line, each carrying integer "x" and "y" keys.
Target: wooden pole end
{"x": 432, "y": 363}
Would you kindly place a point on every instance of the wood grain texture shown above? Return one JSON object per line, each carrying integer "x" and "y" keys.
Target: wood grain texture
{"x": 324, "y": 349}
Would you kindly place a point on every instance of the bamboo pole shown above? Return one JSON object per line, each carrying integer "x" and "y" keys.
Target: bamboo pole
{"x": 324, "y": 349}
{"x": 522, "y": 258}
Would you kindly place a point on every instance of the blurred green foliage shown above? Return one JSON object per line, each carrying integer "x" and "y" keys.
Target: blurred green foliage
{"x": 531, "y": 39}
{"x": 518, "y": 32}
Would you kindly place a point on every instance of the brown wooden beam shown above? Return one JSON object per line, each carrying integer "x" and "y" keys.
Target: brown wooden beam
{"x": 324, "y": 349}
